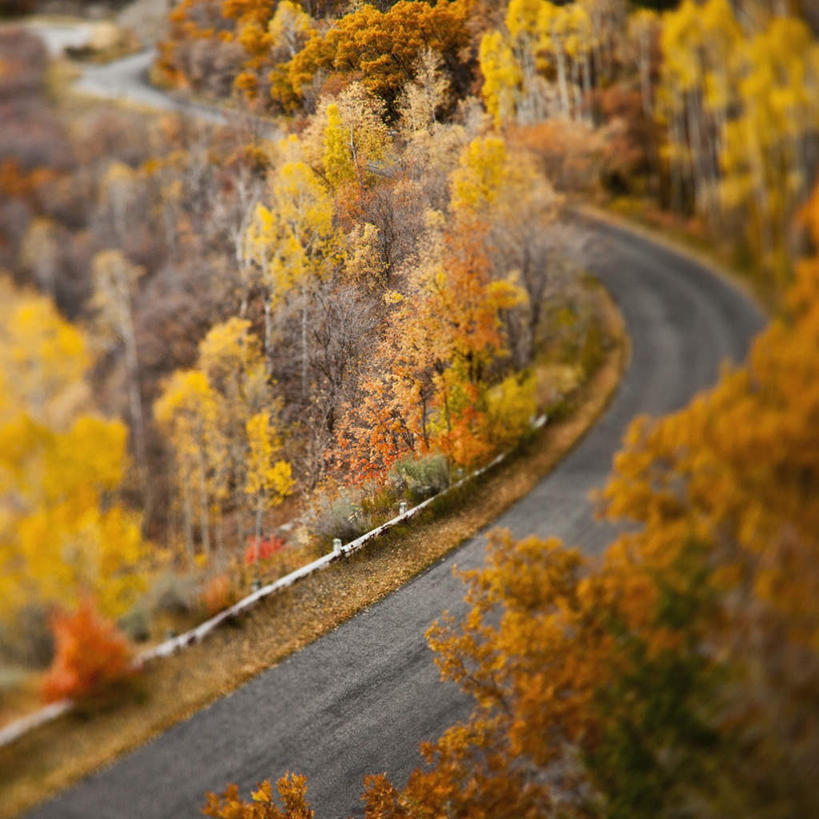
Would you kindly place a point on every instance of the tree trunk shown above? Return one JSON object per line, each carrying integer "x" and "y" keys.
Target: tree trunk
{"x": 187, "y": 517}
{"x": 562, "y": 81}
{"x": 268, "y": 337}
{"x": 135, "y": 405}
{"x": 304, "y": 345}
{"x": 204, "y": 514}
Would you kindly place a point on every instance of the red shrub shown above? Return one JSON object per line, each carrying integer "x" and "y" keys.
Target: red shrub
{"x": 267, "y": 548}
{"x": 90, "y": 655}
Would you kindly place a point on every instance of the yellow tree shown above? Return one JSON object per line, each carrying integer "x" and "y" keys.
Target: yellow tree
{"x": 350, "y": 134}
{"x": 294, "y": 242}
{"x": 699, "y": 74}
{"x": 340, "y": 167}
{"x": 289, "y": 28}
{"x": 43, "y": 359}
{"x": 501, "y": 77}
{"x": 765, "y": 148}
{"x": 479, "y": 176}
{"x": 267, "y": 481}
{"x": 231, "y": 358}
{"x": 187, "y": 413}
{"x": 644, "y": 29}
{"x": 63, "y": 535}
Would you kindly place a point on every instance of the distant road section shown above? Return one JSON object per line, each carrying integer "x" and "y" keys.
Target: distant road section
{"x": 360, "y": 699}
{"x": 126, "y": 79}
{"x": 60, "y": 36}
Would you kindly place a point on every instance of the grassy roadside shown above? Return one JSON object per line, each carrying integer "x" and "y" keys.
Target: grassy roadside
{"x": 664, "y": 229}
{"x": 54, "y": 756}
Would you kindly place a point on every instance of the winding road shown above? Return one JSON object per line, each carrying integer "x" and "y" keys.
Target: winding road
{"x": 360, "y": 699}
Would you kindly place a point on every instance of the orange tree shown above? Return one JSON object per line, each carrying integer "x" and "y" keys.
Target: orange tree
{"x": 380, "y": 48}
{"x": 428, "y": 389}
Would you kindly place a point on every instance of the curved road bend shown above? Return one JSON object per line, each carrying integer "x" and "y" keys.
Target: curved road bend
{"x": 360, "y": 699}
{"x": 126, "y": 79}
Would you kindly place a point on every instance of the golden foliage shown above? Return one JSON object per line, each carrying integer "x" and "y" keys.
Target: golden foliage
{"x": 62, "y": 534}
{"x": 292, "y": 790}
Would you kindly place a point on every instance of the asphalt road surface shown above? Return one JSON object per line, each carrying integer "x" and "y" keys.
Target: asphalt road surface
{"x": 360, "y": 699}
{"x": 126, "y": 79}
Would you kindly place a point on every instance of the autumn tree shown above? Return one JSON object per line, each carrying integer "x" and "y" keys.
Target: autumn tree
{"x": 501, "y": 77}
{"x": 293, "y": 241}
{"x": 187, "y": 414}
{"x": 738, "y": 107}
{"x": 444, "y": 336}
{"x": 423, "y": 98}
{"x": 347, "y": 140}
{"x": 63, "y": 533}
{"x": 356, "y": 45}
{"x": 268, "y": 481}
{"x": 220, "y": 420}
{"x": 90, "y": 655}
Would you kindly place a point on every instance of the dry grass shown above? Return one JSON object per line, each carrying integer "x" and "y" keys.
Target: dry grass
{"x": 58, "y": 754}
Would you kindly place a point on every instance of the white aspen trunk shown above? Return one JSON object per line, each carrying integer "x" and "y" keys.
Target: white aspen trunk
{"x": 674, "y": 165}
{"x": 187, "y": 517}
{"x": 239, "y": 250}
{"x": 576, "y": 92}
{"x": 219, "y": 533}
{"x": 354, "y": 155}
{"x": 562, "y": 82}
{"x": 259, "y": 510}
{"x": 693, "y": 142}
{"x": 587, "y": 86}
{"x": 204, "y": 514}
{"x": 304, "y": 345}
{"x": 529, "y": 108}
{"x": 645, "y": 74}
{"x": 268, "y": 336}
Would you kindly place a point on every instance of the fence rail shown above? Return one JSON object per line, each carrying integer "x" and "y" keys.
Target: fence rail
{"x": 14, "y": 730}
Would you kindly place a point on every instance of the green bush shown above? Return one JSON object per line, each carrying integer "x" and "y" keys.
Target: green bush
{"x": 420, "y": 478}
{"x": 173, "y": 594}
{"x": 341, "y": 517}
{"x": 135, "y": 624}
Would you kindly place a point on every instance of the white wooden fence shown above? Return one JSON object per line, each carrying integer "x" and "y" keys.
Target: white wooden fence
{"x": 18, "y": 728}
